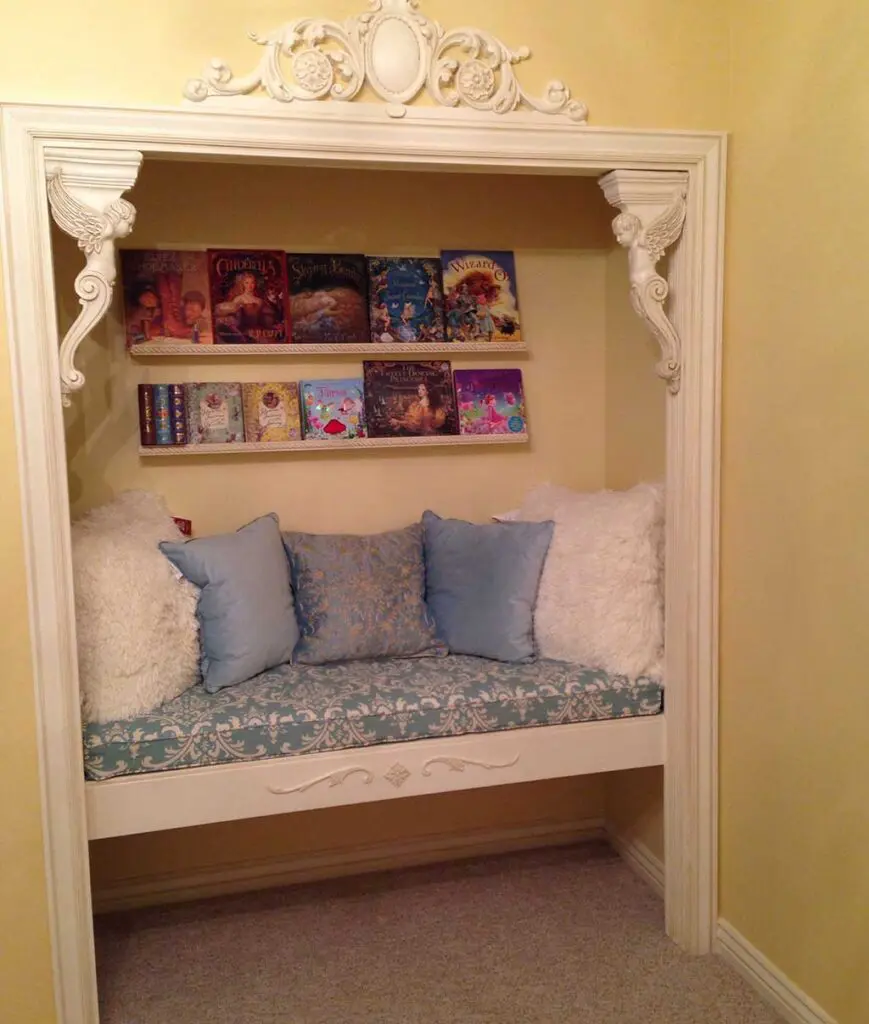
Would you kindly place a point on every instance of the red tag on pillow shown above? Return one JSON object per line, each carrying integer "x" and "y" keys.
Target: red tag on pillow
{"x": 184, "y": 525}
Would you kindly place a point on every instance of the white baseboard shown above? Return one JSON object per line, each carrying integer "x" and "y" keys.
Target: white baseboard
{"x": 775, "y": 987}
{"x": 383, "y": 856}
{"x": 640, "y": 858}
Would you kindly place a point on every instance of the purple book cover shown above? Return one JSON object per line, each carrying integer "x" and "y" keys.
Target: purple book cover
{"x": 249, "y": 296}
{"x": 406, "y": 399}
{"x": 491, "y": 402}
{"x": 480, "y": 295}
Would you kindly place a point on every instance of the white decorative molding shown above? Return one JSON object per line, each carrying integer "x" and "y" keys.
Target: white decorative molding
{"x": 771, "y": 983}
{"x": 335, "y": 778}
{"x": 185, "y": 349}
{"x": 653, "y": 210}
{"x": 84, "y": 193}
{"x": 397, "y": 775}
{"x": 395, "y": 50}
{"x": 459, "y": 764}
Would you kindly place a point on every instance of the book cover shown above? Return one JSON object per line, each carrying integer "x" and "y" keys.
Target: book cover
{"x": 147, "y": 423}
{"x": 166, "y": 296}
{"x": 328, "y": 298}
{"x": 162, "y": 414}
{"x": 491, "y": 401}
{"x": 271, "y": 411}
{"x": 406, "y": 300}
{"x": 405, "y": 399}
{"x": 333, "y": 408}
{"x": 178, "y": 414}
{"x": 480, "y": 297}
{"x": 214, "y": 413}
{"x": 249, "y": 296}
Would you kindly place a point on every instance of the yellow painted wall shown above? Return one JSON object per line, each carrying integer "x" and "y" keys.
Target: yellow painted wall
{"x": 795, "y": 544}
{"x": 629, "y": 59}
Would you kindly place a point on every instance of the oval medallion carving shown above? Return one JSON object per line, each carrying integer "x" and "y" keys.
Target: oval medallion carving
{"x": 397, "y": 59}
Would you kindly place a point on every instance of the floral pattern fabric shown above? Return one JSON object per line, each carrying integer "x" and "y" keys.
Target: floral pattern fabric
{"x": 298, "y": 709}
{"x": 360, "y": 596}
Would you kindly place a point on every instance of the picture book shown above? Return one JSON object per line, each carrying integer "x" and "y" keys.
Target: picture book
{"x": 491, "y": 401}
{"x": 271, "y": 412}
{"x": 333, "y": 408}
{"x": 328, "y": 298}
{"x": 147, "y": 419}
{"x": 166, "y": 296}
{"x": 480, "y": 297}
{"x": 404, "y": 399}
{"x": 249, "y": 296}
{"x": 162, "y": 413}
{"x": 214, "y": 413}
{"x": 406, "y": 300}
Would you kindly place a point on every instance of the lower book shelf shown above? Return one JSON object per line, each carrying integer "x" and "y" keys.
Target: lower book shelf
{"x": 338, "y": 444}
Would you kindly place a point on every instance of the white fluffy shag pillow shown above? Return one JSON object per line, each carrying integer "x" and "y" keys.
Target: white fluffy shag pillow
{"x": 138, "y": 640}
{"x": 600, "y": 601}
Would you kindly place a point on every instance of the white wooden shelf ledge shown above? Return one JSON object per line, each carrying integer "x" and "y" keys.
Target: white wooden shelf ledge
{"x": 158, "y": 349}
{"x": 338, "y": 444}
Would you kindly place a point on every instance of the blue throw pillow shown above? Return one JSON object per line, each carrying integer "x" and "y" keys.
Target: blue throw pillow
{"x": 360, "y": 597}
{"x": 246, "y": 618}
{"x": 481, "y": 584}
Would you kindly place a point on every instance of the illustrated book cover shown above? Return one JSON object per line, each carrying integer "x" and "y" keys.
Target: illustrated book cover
{"x": 333, "y": 408}
{"x": 249, "y": 296}
{"x": 480, "y": 297}
{"x": 214, "y": 413}
{"x": 271, "y": 412}
{"x": 166, "y": 296}
{"x": 328, "y": 298}
{"x": 406, "y": 399}
{"x": 406, "y": 301}
{"x": 491, "y": 401}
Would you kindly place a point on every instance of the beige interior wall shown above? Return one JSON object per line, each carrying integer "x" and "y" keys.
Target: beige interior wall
{"x": 635, "y": 419}
{"x": 559, "y": 230}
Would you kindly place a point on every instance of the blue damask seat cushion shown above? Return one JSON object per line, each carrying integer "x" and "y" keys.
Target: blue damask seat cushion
{"x": 300, "y": 709}
{"x": 360, "y": 596}
{"x": 247, "y": 623}
{"x": 481, "y": 584}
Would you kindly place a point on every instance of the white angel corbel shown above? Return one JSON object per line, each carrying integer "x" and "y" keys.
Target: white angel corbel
{"x": 95, "y": 232}
{"x": 648, "y": 289}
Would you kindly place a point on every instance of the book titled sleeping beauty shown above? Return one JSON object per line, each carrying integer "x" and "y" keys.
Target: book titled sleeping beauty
{"x": 214, "y": 413}
{"x": 333, "y": 409}
{"x": 271, "y": 412}
{"x": 491, "y": 401}
{"x": 249, "y": 296}
{"x": 480, "y": 296}
{"x": 406, "y": 399}
{"x": 406, "y": 299}
{"x": 328, "y": 298}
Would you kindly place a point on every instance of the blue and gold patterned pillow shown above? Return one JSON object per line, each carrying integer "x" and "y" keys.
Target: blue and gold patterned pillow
{"x": 360, "y": 596}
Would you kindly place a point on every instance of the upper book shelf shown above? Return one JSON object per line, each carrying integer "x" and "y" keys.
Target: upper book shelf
{"x": 160, "y": 347}
{"x": 255, "y": 302}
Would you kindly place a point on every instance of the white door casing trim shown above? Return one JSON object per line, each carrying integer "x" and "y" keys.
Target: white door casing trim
{"x": 365, "y": 135}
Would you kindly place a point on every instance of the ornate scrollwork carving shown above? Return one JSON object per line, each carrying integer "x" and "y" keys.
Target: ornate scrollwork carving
{"x": 459, "y": 764}
{"x": 95, "y": 231}
{"x": 398, "y": 52}
{"x": 649, "y": 291}
{"x": 335, "y": 778}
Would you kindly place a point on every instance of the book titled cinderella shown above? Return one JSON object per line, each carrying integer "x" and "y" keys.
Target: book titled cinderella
{"x": 491, "y": 401}
{"x": 480, "y": 296}
{"x": 333, "y": 409}
{"x": 406, "y": 399}
{"x": 406, "y": 299}
{"x": 249, "y": 296}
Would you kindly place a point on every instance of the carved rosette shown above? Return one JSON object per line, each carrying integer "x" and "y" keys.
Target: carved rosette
{"x": 84, "y": 194}
{"x": 653, "y": 209}
{"x": 398, "y": 52}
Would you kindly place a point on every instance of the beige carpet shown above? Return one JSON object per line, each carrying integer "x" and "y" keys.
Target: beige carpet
{"x": 538, "y": 938}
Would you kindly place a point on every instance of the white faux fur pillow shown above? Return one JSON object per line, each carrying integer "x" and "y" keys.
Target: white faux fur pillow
{"x": 138, "y": 641}
{"x": 600, "y": 601}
